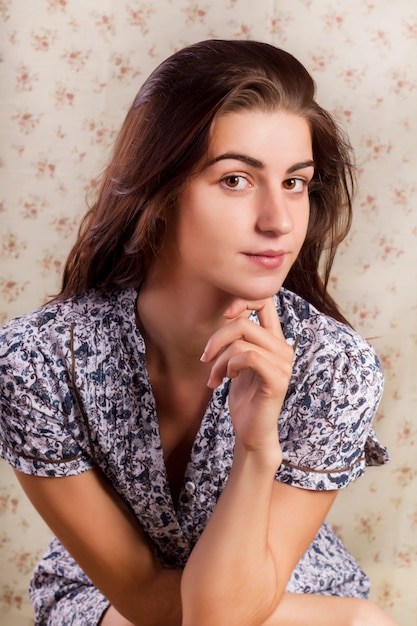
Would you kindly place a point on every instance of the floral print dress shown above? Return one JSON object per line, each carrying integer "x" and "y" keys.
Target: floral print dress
{"x": 75, "y": 394}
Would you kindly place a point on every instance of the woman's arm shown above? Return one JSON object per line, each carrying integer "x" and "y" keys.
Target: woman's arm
{"x": 238, "y": 571}
{"x": 295, "y": 516}
{"x": 103, "y": 536}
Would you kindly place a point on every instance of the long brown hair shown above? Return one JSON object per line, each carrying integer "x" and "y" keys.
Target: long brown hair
{"x": 165, "y": 139}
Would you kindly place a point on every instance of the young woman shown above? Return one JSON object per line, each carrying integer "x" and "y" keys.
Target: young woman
{"x": 184, "y": 412}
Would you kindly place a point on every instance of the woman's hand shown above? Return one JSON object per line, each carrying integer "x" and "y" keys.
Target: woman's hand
{"x": 259, "y": 360}
{"x": 232, "y": 576}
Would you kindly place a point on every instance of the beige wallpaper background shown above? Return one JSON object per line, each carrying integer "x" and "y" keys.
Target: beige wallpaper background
{"x": 68, "y": 71}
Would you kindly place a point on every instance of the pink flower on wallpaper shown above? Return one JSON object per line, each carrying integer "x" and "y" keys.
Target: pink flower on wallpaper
{"x": 364, "y": 315}
{"x": 60, "y": 133}
{"x": 32, "y": 206}
{"x": 352, "y": 77}
{"x": 11, "y": 290}
{"x": 385, "y": 595}
{"x": 51, "y": 264}
{"x": 404, "y": 558}
{"x": 243, "y": 31}
{"x": 2, "y": 207}
{"x": 376, "y": 101}
{"x": 369, "y": 205}
{"x": 151, "y": 53}
{"x": 65, "y": 226}
{"x": 13, "y": 38}
{"x": 80, "y": 156}
{"x": 74, "y": 24}
{"x": 8, "y": 502}
{"x": 76, "y": 59}
{"x": 411, "y": 29}
{"x": 341, "y": 114}
{"x": 333, "y": 283}
{"x": 405, "y": 475}
{"x": 401, "y": 85}
{"x": 401, "y": 196}
{"x": 387, "y": 250}
{"x": 377, "y": 149}
{"x": 194, "y": 12}
{"x": 9, "y": 598}
{"x": 279, "y": 24}
{"x": 44, "y": 167}
{"x": 124, "y": 70}
{"x": 369, "y": 7}
{"x": 63, "y": 96}
{"x": 5, "y": 9}
{"x": 23, "y": 561}
{"x": 90, "y": 187}
{"x": 333, "y": 20}
{"x": 139, "y": 16}
{"x": 11, "y": 246}
{"x": 389, "y": 359}
{"x": 99, "y": 133}
{"x": 406, "y": 434}
{"x": 27, "y": 122}
{"x": 57, "y": 5}
{"x": 104, "y": 23}
{"x": 380, "y": 38}
{"x": 100, "y": 86}
{"x": 24, "y": 79}
{"x": 43, "y": 40}
{"x": 319, "y": 60}
{"x": 19, "y": 149}
{"x": 366, "y": 525}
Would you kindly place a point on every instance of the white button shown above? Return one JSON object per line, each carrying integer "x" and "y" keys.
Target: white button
{"x": 190, "y": 487}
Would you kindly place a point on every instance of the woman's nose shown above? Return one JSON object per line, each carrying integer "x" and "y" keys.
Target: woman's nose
{"x": 274, "y": 215}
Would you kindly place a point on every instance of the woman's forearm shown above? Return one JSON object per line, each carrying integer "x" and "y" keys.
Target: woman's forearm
{"x": 114, "y": 553}
{"x": 231, "y": 577}
{"x": 162, "y": 606}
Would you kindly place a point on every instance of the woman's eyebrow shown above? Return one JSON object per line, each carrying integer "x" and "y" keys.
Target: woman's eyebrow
{"x": 258, "y": 164}
{"x": 300, "y": 166}
{"x": 239, "y": 157}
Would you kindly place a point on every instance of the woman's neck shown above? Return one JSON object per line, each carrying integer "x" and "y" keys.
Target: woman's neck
{"x": 176, "y": 324}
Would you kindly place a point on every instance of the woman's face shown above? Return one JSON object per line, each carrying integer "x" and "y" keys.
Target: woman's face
{"x": 243, "y": 219}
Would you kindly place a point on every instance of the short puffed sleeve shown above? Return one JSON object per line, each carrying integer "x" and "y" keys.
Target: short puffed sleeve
{"x": 325, "y": 426}
{"x": 37, "y": 407}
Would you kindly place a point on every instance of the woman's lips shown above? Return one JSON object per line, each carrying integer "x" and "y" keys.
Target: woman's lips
{"x": 270, "y": 259}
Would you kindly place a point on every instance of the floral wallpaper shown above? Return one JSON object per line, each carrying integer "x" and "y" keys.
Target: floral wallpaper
{"x": 69, "y": 70}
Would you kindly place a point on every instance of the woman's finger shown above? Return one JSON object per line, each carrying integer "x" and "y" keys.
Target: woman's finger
{"x": 268, "y": 334}
{"x": 241, "y": 355}
{"x": 265, "y": 310}
{"x": 241, "y": 329}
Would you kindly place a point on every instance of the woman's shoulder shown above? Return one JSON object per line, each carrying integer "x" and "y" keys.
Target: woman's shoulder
{"x": 337, "y": 383}
{"x": 94, "y": 308}
{"x": 301, "y": 319}
{"x": 327, "y": 348}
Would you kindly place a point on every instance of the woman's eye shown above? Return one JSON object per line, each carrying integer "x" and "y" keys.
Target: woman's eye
{"x": 235, "y": 181}
{"x": 296, "y": 185}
